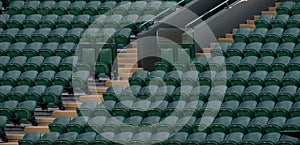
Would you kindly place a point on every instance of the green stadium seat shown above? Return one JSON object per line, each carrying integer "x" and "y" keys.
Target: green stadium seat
{"x": 77, "y": 124}
{"x": 60, "y": 8}
{"x": 15, "y": 49}
{"x": 29, "y": 7}
{"x": 211, "y": 108}
{"x": 296, "y": 51}
{"x": 66, "y": 138}
{"x": 282, "y": 108}
{"x": 257, "y": 78}
{"x": 48, "y": 138}
{"x": 40, "y": 35}
{"x": 234, "y": 93}
{"x": 206, "y": 77}
{"x": 236, "y": 49}
{"x": 214, "y": 138}
{"x": 216, "y": 63}
{"x": 264, "y": 108}
{"x": 270, "y": 138}
{"x": 131, "y": 124}
{"x": 79, "y": 79}
{"x": 147, "y": 92}
{"x": 112, "y": 21}
{"x": 76, "y": 7}
{"x": 137, "y": 7}
{"x": 105, "y": 108}
{"x": 64, "y": 21}
{"x": 16, "y": 21}
{"x": 290, "y": 35}
{"x": 239, "y": 124}
{"x": 152, "y": 8}
{"x": 129, "y": 21}
{"x": 57, "y": 35}
{"x": 220, "y": 124}
{"x": 122, "y": 37}
{"x": 52, "y": 96}
{"x": 138, "y": 78}
{"x": 222, "y": 78}
{"x": 279, "y": 21}
{"x": 35, "y": 93}
{"x": 147, "y": 124}
{"x": 31, "y": 49}
{"x": 94, "y": 124}
{"x": 7, "y": 109}
{"x": 185, "y": 124}
{"x": 220, "y": 49}
{"x": 252, "y": 93}
{"x": 147, "y": 20}
{"x": 62, "y": 78}
{"x": 8, "y": 35}
{"x": 182, "y": 93}
{"x": 104, "y": 138}
{"x": 284, "y": 139}
{"x": 122, "y": 138}
{"x": 274, "y": 35}
{"x": 71, "y": 37}
{"x": 112, "y": 93}
{"x": 246, "y": 109}
{"x": 264, "y": 63}
{"x": 4, "y": 90}
{"x": 155, "y": 78}
{"x": 269, "y": 93}
{"x": 91, "y": 7}
{"x": 15, "y": 7}
{"x": 258, "y": 35}
{"x": 295, "y": 110}
{"x": 294, "y": 64}
{"x": 10, "y": 78}
{"x": 286, "y": 93}
{"x": 59, "y": 124}
{"x": 257, "y": 124}
{"x": 174, "y": 108}
{"x": 106, "y": 7}
{"x": 80, "y": 21}
{"x": 157, "y": 108}
{"x": 48, "y": 49}
{"x": 240, "y": 78}
{"x": 195, "y": 138}
{"x": 269, "y": 49}
{"x": 291, "y": 78}
{"x": 199, "y": 63}
{"x": 85, "y": 138}
{"x": 48, "y": 21}
{"x": 51, "y": 63}
{"x": 24, "y": 35}
{"x": 285, "y": 8}
{"x": 295, "y": 8}
{"x": 189, "y": 78}
{"x": 228, "y": 108}
{"x": 4, "y": 46}
{"x": 231, "y": 63}
{"x": 177, "y": 138}
{"x": 168, "y": 6}
{"x": 293, "y": 21}
{"x": 274, "y": 78}
{"x": 285, "y": 49}
{"x": 281, "y": 63}
{"x": 159, "y": 137}
{"x": 296, "y": 95}
{"x": 251, "y": 138}
{"x": 292, "y": 124}
{"x": 113, "y": 124}
{"x": 121, "y": 8}
{"x": 3, "y": 19}
{"x": 45, "y": 7}
{"x": 130, "y": 93}
{"x": 122, "y": 108}
{"x": 30, "y": 138}
{"x": 140, "y": 138}
{"x": 242, "y": 35}
{"x": 25, "y": 113}
{"x": 68, "y": 63}
{"x": 173, "y": 78}
{"x": 199, "y": 93}
{"x": 164, "y": 93}
{"x": 275, "y": 124}
{"x": 27, "y": 78}
{"x": 247, "y": 63}
{"x": 233, "y": 138}
{"x": 217, "y": 92}
{"x": 167, "y": 124}
{"x": 33, "y": 63}
{"x": 86, "y": 109}
{"x": 264, "y": 21}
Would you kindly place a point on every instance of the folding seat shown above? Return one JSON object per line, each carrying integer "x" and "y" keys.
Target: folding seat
{"x": 96, "y": 21}
{"x": 31, "y": 49}
{"x": 257, "y": 78}
{"x": 68, "y": 63}
{"x": 40, "y": 35}
{"x": 228, "y": 108}
{"x": 231, "y": 63}
{"x": 10, "y": 78}
{"x": 25, "y": 113}
{"x": 258, "y": 35}
{"x": 122, "y": 37}
{"x": 45, "y": 7}
{"x": 251, "y": 138}
{"x": 27, "y": 78}
{"x": 155, "y": 78}
{"x": 112, "y": 21}
{"x": 129, "y": 21}
{"x": 233, "y": 138}
{"x": 85, "y": 138}
{"x": 189, "y": 78}
{"x": 91, "y": 7}
{"x": 64, "y": 49}
{"x": 52, "y": 97}
{"x": 167, "y": 124}
{"x": 269, "y": 49}
{"x": 286, "y": 93}
{"x": 195, "y": 138}
{"x": 159, "y": 137}
{"x": 185, "y": 123}
{"x": 164, "y": 93}
{"x": 86, "y": 109}
{"x": 206, "y": 77}
{"x": 234, "y": 93}
{"x": 30, "y": 138}
{"x": 77, "y": 124}
{"x": 143, "y": 21}
{"x": 246, "y": 109}
{"x": 103, "y": 138}
{"x": 138, "y": 78}
{"x": 80, "y": 21}
{"x": 182, "y": 93}
{"x": 112, "y": 93}
{"x": 33, "y": 63}
{"x": 290, "y": 35}
{"x": 222, "y": 78}
{"x": 15, "y": 49}
{"x": 274, "y": 78}
{"x": 293, "y": 21}
{"x": 294, "y": 111}
{"x": 270, "y": 138}
{"x": 282, "y": 108}
{"x": 16, "y": 21}
{"x": 94, "y": 124}
{"x": 240, "y": 78}
{"x": 60, "y": 8}
{"x": 236, "y": 49}
{"x": 66, "y": 138}
{"x": 130, "y": 93}
{"x": 147, "y": 92}
{"x": 3, "y": 19}
{"x": 220, "y": 124}
{"x": 76, "y": 7}
{"x": 4, "y": 90}
{"x": 148, "y": 124}
{"x": 113, "y": 124}
{"x": 175, "y": 108}
{"x": 152, "y": 8}
{"x": 8, "y": 35}
{"x": 214, "y": 138}
{"x": 275, "y": 124}
{"x": 217, "y": 92}
{"x": 15, "y": 7}
{"x": 211, "y": 108}
{"x": 122, "y": 138}
{"x": 105, "y": 35}
{"x": 29, "y": 8}
{"x": 294, "y": 64}
{"x": 7, "y": 109}
{"x": 239, "y": 124}
{"x": 140, "y": 138}
{"x": 291, "y": 78}
{"x": 296, "y": 51}
{"x": 292, "y": 124}
{"x": 59, "y": 124}
{"x": 168, "y": 6}
{"x": 3, "y": 61}
{"x": 220, "y": 49}
{"x": 216, "y": 63}
{"x": 57, "y": 35}
{"x": 257, "y": 124}
{"x": 48, "y": 21}
{"x": 106, "y": 7}
{"x": 274, "y": 35}
{"x": 285, "y": 8}
{"x": 269, "y": 93}
{"x": 199, "y": 63}
{"x": 285, "y": 49}
{"x": 279, "y": 21}
{"x": 177, "y": 138}
{"x": 264, "y": 63}
{"x": 242, "y": 35}
{"x": 247, "y": 63}
{"x": 264, "y": 21}
{"x": 157, "y": 108}
{"x": 24, "y": 35}
{"x": 64, "y": 21}
{"x": 199, "y": 93}
{"x": 121, "y": 8}
{"x": 131, "y": 124}
{"x": 79, "y": 79}
{"x": 51, "y": 63}
{"x": 122, "y": 108}
{"x": 284, "y": 139}
{"x": 281, "y": 63}
{"x": 48, "y": 138}
{"x": 35, "y": 93}
{"x": 173, "y": 78}
{"x": 264, "y": 108}
{"x": 137, "y": 7}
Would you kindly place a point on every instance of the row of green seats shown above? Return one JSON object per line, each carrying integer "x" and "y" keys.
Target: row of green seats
{"x": 19, "y": 112}
{"x": 90, "y": 8}
{"x": 279, "y": 21}
{"x": 288, "y": 7}
{"x": 160, "y": 138}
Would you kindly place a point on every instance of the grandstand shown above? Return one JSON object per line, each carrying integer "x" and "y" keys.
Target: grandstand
{"x": 89, "y": 72}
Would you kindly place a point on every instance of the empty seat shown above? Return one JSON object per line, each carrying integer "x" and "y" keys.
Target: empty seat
{"x": 281, "y": 63}
{"x": 234, "y": 93}
{"x": 291, "y": 78}
{"x": 106, "y": 7}
{"x": 25, "y": 113}
{"x": 279, "y": 21}
{"x": 282, "y": 109}
{"x": 8, "y": 35}
{"x": 270, "y": 138}
{"x": 51, "y": 63}
{"x": 240, "y": 78}
{"x": 285, "y": 8}
{"x": 52, "y": 97}
{"x": 80, "y": 21}
{"x": 131, "y": 124}
{"x": 274, "y": 35}
{"x": 274, "y": 78}
{"x": 45, "y": 7}
{"x": 112, "y": 93}
{"x": 275, "y": 124}
{"x": 182, "y": 93}
{"x": 48, "y": 138}
{"x": 220, "y": 124}
{"x": 24, "y": 35}
{"x": 79, "y": 79}
{"x": 138, "y": 78}
{"x": 177, "y": 138}
{"x": 264, "y": 21}
{"x": 252, "y": 138}
{"x": 292, "y": 124}
{"x": 174, "y": 108}
{"x": 30, "y": 138}
{"x": 269, "y": 93}
{"x": 85, "y": 138}
{"x": 247, "y": 63}
{"x": 222, "y": 78}
{"x": 3, "y": 19}
{"x": 173, "y": 78}
{"x": 48, "y": 21}
{"x": 94, "y": 124}
{"x": 232, "y": 63}
{"x": 32, "y": 49}
{"x": 4, "y": 47}
{"x": 155, "y": 78}
{"x": 62, "y": 78}
{"x": 159, "y": 137}
{"x": 4, "y": 90}
{"x": 77, "y": 124}
{"x": 269, "y": 49}
{"x": 258, "y": 35}
{"x": 257, "y": 78}
{"x": 228, "y": 108}
{"x": 60, "y": 8}
{"x": 91, "y": 7}
{"x": 287, "y": 139}
{"x": 147, "y": 92}
{"x": 35, "y": 93}
{"x": 66, "y": 138}
{"x": 40, "y": 35}
{"x": 15, "y": 7}
{"x": 199, "y": 63}
{"x": 199, "y": 93}
{"x": 86, "y": 108}
{"x": 29, "y": 8}
{"x": 16, "y": 21}
{"x": 27, "y": 78}
{"x": 65, "y": 49}
{"x": 214, "y": 138}
{"x": 290, "y": 35}
{"x": 10, "y": 78}
{"x": 57, "y": 35}
{"x": 206, "y": 77}
{"x": 75, "y": 8}
{"x": 285, "y": 49}
{"x": 48, "y": 49}
{"x": 246, "y": 109}
{"x": 104, "y": 138}
{"x": 286, "y": 93}
{"x": 16, "y": 49}
{"x": 233, "y": 138}
{"x": 293, "y": 21}
{"x": 59, "y": 124}
{"x": 264, "y": 63}
{"x": 16, "y": 63}
{"x": 164, "y": 93}
{"x": 122, "y": 108}
{"x": 33, "y": 63}
{"x": 257, "y": 124}
{"x": 157, "y": 108}
{"x": 239, "y": 124}
{"x": 122, "y": 37}
{"x": 264, "y": 109}
{"x": 7, "y": 109}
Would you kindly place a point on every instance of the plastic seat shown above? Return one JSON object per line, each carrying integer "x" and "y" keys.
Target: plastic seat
{"x": 242, "y": 35}
{"x": 210, "y": 108}
{"x": 34, "y": 93}
{"x": 59, "y": 124}
{"x": 247, "y": 63}
{"x": 94, "y": 124}
{"x": 264, "y": 21}
{"x": 185, "y": 124}
{"x": 16, "y": 21}
{"x": 251, "y": 138}
{"x": 275, "y": 124}
{"x": 157, "y": 108}
{"x": 24, "y": 35}
{"x": 285, "y": 8}
{"x": 257, "y": 124}
{"x": 216, "y": 63}
{"x": 199, "y": 63}
{"x": 51, "y": 63}
{"x": 147, "y": 92}
{"x": 60, "y": 8}
{"x": 164, "y": 93}
{"x": 73, "y": 35}
{"x": 231, "y": 63}
{"x": 293, "y": 64}
{"x": 177, "y": 138}
{"x": 130, "y": 93}
{"x": 145, "y": 20}
{"x": 234, "y": 93}
{"x": 52, "y": 96}
{"x": 290, "y": 35}
{"x": 138, "y": 78}
{"x": 57, "y": 35}
{"x": 48, "y": 138}
{"x": 121, "y": 8}
{"x": 96, "y": 21}
{"x": 217, "y": 92}
{"x": 80, "y": 21}
{"x": 106, "y": 7}
{"x": 130, "y": 20}
{"x": 113, "y": 124}
{"x": 246, "y": 109}
{"x": 40, "y": 35}
{"x": 122, "y": 37}
{"x": 296, "y": 51}
{"x": 285, "y": 49}
{"x": 152, "y": 7}
{"x": 293, "y": 21}
{"x": 10, "y": 78}
{"x": 220, "y": 124}
{"x": 258, "y": 35}
{"x": 264, "y": 108}
{"x": 104, "y": 109}
{"x": 30, "y": 138}
{"x": 25, "y": 112}
{"x": 8, "y": 35}
{"x": 264, "y": 63}
{"x": 282, "y": 109}
{"x": 137, "y": 8}
{"x": 86, "y": 109}
{"x": 4, "y": 60}
{"x": 32, "y": 49}
{"x": 174, "y": 108}
{"x": 64, "y": 21}
{"x": 274, "y": 35}
{"x": 167, "y": 124}
{"x": 292, "y": 124}
{"x": 140, "y": 138}
{"x": 48, "y": 21}
{"x": 220, "y": 49}
{"x": 45, "y": 7}
{"x": 147, "y": 124}
{"x": 91, "y": 7}
{"x": 240, "y": 78}
{"x": 182, "y": 93}
{"x": 222, "y": 78}
{"x": 112, "y": 92}
{"x": 62, "y": 78}
{"x": 214, "y": 138}
{"x": 27, "y": 78}
{"x": 75, "y": 8}
{"x": 4, "y": 90}
{"x": 233, "y": 138}
{"x": 33, "y": 63}
{"x": 270, "y": 138}
{"x": 269, "y": 93}
{"x": 206, "y": 78}
{"x": 286, "y": 93}
{"x": 15, "y": 7}
{"x": 131, "y": 124}
{"x": 77, "y": 124}
{"x": 236, "y": 49}
{"x": 195, "y": 138}
{"x": 274, "y": 78}
{"x": 15, "y": 49}
{"x": 294, "y": 111}
{"x": 159, "y": 137}
{"x": 228, "y": 108}
{"x": 7, "y": 109}
{"x": 239, "y": 124}
{"x": 3, "y": 19}
{"x": 172, "y": 78}
{"x": 112, "y": 21}
{"x": 4, "y": 47}
{"x": 257, "y": 78}
{"x": 66, "y": 138}
{"x": 279, "y": 21}
{"x": 122, "y": 138}
{"x": 155, "y": 78}
{"x": 281, "y": 63}
{"x": 65, "y": 49}
{"x": 291, "y": 78}
{"x": 122, "y": 108}
{"x": 104, "y": 138}
{"x": 284, "y": 139}
{"x": 29, "y": 8}
{"x": 85, "y": 138}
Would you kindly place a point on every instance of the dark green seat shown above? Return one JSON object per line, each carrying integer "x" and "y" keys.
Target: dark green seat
{"x": 240, "y": 78}
{"x": 222, "y": 78}
{"x": 199, "y": 93}
{"x": 174, "y": 108}
{"x": 3, "y": 19}
{"x": 242, "y": 35}
{"x": 257, "y": 78}
{"x": 246, "y": 109}
{"x": 48, "y": 21}
{"x": 275, "y": 124}
{"x": 91, "y": 7}
{"x": 32, "y": 49}
{"x": 210, "y": 108}
{"x": 77, "y": 124}
{"x": 295, "y": 110}
{"x": 112, "y": 93}
{"x": 79, "y": 79}
{"x": 60, "y": 8}
{"x": 293, "y": 21}
{"x": 59, "y": 124}
{"x": 251, "y": 93}
{"x": 104, "y": 138}
{"x": 45, "y": 7}
{"x": 167, "y": 124}
{"x": 251, "y": 138}
{"x": 16, "y": 21}
{"x": 76, "y": 7}
{"x": 27, "y": 78}
{"x": 68, "y": 63}
{"x": 140, "y": 138}
{"x": 169, "y": 7}
{"x": 25, "y": 112}
{"x": 137, "y": 7}
{"x": 291, "y": 78}
{"x": 66, "y": 138}
{"x": 274, "y": 78}
{"x": 220, "y": 49}
{"x": 258, "y": 35}
{"x": 270, "y": 138}
{"x": 96, "y": 21}
{"x": 129, "y": 21}
{"x": 296, "y": 95}
{"x": 44, "y": 78}
{"x": 147, "y": 92}
{"x": 121, "y": 8}
{"x": 285, "y": 49}
{"x": 152, "y": 8}
{"x": 86, "y": 108}
{"x": 239, "y": 124}
{"x": 247, "y": 63}
{"x": 199, "y": 63}
{"x": 164, "y": 93}
{"x": 33, "y": 63}
{"x": 64, "y": 21}
{"x": 269, "y": 93}
{"x": 285, "y": 7}
{"x": 24, "y": 35}
{"x": 294, "y": 64}
{"x": 4, "y": 46}
{"x": 292, "y": 124}
{"x": 62, "y": 78}
{"x": 29, "y": 8}
{"x": 7, "y": 109}
{"x": 113, "y": 124}
{"x": 284, "y": 139}
{"x": 269, "y": 49}
{"x": 228, "y": 108}
{"x": 15, "y": 7}
{"x": 94, "y": 124}
{"x": 48, "y": 138}
{"x": 182, "y": 93}
{"x": 138, "y": 78}
{"x": 206, "y": 77}
{"x": 112, "y": 21}
{"x": 296, "y": 51}
{"x": 35, "y": 93}
{"x": 281, "y": 63}
{"x": 236, "y": 49}
{"x": 73, "y": 35}
{"x": 257, "y": 124}
{"x": 4, "y": 90}
{"x": 216, "y": 63}
{"x": 65, "y": 49}
{"x": 106, "y": 7}
{"x": 40, "y": 35}
{"x": 264, "y": 63}
{"x": 295, "y": 8}
{"x": 173, "y": 78}
{"x": 16, "y": 49}
{"x": 185, "y": 124}
{"x": 147, "y": 124}
{"x": 274, "y": 35}
{"x": 131, "y": 124}
{"x": 234, "y": 93}
{"x": 85, "y": 138}
{"x": 30, "y": 138}
{"x": 264, "y": 108}
{"x": 159, "y": 137}
{"x": 264, "y": 21}
{"x": 51, "y": 63}
{"x": 220, "y": 124}
{"x": 233, "y": 138}
{"x": 290, "y": 35}
{"x": 231, "y": 63}
{"x": 122, "y": 37}
{"x": 195, "y": 138}
{"x": 286, "y": 93}
{"x": 145, "y": 20}
{"x": 10, "y": 78}
{"x": 214, "y": 138}
{"x": 104, "y": 109}
{"x": 3, "y": 61}
{"x": 155, "y": 78}
{"x": 122, "y": 108}
{"x": 282, "y": 109}
{"x": 177, "y": 138}
{"x": 8, "y": 35}
{"x": 279, "y": 21}
{"x": 157, "y": 108}
{"x": 189, "y": 78}
{"x": 57, "y": 35}
{"x": 122, "y": 138}
{"x": 52, "y": 97}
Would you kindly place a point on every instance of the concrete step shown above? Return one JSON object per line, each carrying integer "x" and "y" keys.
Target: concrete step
{"x": 127, "y": 60}
{"x": 44, "y": 121}
{"x": 131, "y": 50}
{"x": 225, "y": 40}
{"x": 86, "y": 98}
{"x": 41, "y": 129}
{"x": 99, "y": 90}
{"x": 9, "y": 143}
{"x": 72, "y": 105}
{"x": 127, "y": 55}
{"x": 252, "y": 26}
{"x": 14, "y": 137}
{"x": 110, "y": 83}
{"x": 60, "y": 113}
{"x": 129, "y": 70}
{"x": 127, "y": 65}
